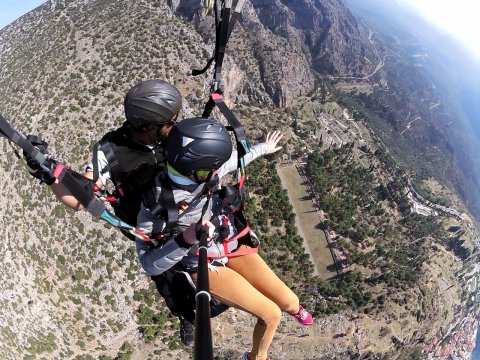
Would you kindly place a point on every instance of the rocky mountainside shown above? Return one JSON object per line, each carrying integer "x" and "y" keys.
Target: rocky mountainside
{"x": 327, "y": 29}
{"x": 71, "y": 288}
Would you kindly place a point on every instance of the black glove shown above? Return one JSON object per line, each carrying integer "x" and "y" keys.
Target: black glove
{"x": 33, "y": 166}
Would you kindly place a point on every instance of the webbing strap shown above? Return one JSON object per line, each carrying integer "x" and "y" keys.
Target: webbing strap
{"x": 169, "y": 201}
{"x": 221, "y": 45}
{"x": 235, "y": 237}
{"x": 78, "y": 185}
{"x": 238, "y": 129}
{"x": 81, "y": 188}
{"x": 198, "y": 227}
{"x": 243, "y": 146}
{"x": 96, "y": 173}
{"x": 113, "y": 164}
{"x": 223, "y": 30}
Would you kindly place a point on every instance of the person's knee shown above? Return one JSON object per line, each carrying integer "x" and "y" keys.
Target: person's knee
{"x": 291, "y": 303}
{"x": 273, "y": 317}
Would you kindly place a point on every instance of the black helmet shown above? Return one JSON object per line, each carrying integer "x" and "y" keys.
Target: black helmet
{"x": 198, "y": 144}
{"x": 152, "y": 102}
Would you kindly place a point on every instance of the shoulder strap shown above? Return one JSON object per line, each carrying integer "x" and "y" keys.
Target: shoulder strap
{"x": 166, "y": 197}
{"x": 113, "y": 164}
{"x": 96, "y": 174}
{"x": 165, "y": 206}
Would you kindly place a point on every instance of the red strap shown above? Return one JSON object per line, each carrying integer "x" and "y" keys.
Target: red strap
{"x": 225, "y": 246}
{"x": 233, "y": 238}
{"x": 239, "y": 235}
{"x": 236, "y": 253}
{"x": 145, "y": 237}
{"x": 241, "y": 181}
{"x": 246, "y": 251}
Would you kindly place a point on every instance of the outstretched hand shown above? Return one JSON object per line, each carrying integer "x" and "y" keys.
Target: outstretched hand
{"x": 272, "y": 141}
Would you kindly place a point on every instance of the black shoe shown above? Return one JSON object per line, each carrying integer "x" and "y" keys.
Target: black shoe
{"x": 187, "y": 332}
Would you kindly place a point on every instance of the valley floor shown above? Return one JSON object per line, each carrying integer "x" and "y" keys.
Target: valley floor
{"x": 307, "y": 220}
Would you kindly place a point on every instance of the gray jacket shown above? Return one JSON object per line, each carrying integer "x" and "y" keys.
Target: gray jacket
{"x": 156, "y": 260}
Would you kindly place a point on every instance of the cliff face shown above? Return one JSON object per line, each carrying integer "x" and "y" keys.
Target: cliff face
{"x": 285, "y": 40}
{"x": 275, "y": 66}
{"x": 327, "y": 28}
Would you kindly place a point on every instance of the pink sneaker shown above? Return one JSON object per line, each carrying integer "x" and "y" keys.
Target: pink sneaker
{"x": 246, "y": 356}
{"x": 303, "y": 316}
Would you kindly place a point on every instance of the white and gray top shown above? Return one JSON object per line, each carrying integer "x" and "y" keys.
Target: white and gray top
{"x": 156, "y": 260}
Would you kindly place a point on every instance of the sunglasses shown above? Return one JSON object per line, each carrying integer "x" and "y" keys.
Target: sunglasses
{"x": 173, "y": 121}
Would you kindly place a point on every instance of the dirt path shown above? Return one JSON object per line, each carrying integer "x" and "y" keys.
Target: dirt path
{"x": 306, "y": 220}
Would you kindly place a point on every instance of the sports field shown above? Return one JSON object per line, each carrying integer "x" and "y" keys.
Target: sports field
{"x": 307, "y": 220}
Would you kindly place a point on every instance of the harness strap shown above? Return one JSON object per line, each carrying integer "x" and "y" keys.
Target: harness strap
{"x": 235, "y": 237}
{"x": 169, "y": 201}
{"x": 198, "y": 227}
{"x": 112, "y": 164}
{"x": 96, "y": 173}
{"x": 221, "y": 45}
{"x": 224, "y": 28}
{"x": 238, "y": 129}
{"x": 243, "y": 146}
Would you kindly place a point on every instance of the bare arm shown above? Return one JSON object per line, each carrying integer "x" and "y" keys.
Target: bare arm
{"x": 65, "y": 197}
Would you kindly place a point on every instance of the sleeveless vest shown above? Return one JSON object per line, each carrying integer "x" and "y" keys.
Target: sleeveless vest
{"x": 132, "y": 166}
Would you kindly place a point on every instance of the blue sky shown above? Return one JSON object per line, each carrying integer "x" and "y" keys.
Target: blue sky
{"x": 10, "y": 10}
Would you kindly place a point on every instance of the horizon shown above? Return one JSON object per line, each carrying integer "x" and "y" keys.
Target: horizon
{"x": 12, "y": 10}
{"x": 460, "y": 21}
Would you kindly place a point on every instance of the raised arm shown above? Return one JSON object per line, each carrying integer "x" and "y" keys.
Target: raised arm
{"x": 268, "y": 147}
